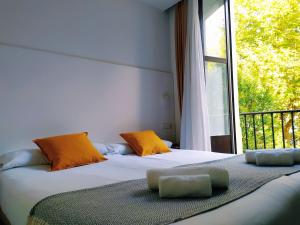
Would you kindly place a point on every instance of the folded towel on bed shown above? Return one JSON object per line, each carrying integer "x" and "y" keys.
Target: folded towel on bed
{"x": 185, "y": 186}
{"x": 278, "y": 158}
{"x": 296, "y": 152}
{"x": 219, "y": 177}
{"x": 250, "y": 155}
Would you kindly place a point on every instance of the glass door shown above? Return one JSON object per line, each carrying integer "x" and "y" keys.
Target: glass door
{"x": 214, "y": 23}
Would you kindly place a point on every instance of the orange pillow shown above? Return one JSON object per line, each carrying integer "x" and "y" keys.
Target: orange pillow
{"x": 69, "y": 150}
{"x": 145, "y": 142}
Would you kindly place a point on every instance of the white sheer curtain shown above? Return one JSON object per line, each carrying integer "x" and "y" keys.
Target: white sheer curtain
{"x": 194, "y": 120}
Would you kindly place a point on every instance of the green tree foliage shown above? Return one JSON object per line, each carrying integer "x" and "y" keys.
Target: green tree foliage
{"x": 268, "y": 54}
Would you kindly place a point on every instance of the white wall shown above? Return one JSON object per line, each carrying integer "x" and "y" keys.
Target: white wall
{"x": 161, "y": 4}
{"x": 75, "y": 65}
{"x": 124, "y": 31}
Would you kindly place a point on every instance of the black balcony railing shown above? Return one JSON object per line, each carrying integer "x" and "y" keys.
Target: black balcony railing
{"x": 273, "y": 129}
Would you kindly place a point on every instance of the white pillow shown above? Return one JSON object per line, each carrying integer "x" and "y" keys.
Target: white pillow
{"x": 168, "y": 143}
{"x": 23, "y": 157}
{"x": 101, "y": 148}
{"x": 121, "y": 148}
{"x": 124, "y": 149}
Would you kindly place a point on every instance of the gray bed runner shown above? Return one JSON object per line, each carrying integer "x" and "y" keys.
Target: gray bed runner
{"x": 132, "y": 203}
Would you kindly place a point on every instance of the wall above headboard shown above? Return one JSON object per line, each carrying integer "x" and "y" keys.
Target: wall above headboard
{"x": 123, "y": 31}
{"x": 69, "y": 65}
{"x": 161, "y": 4}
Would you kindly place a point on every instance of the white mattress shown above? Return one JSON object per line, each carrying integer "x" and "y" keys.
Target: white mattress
{"x": 22, "y": 188}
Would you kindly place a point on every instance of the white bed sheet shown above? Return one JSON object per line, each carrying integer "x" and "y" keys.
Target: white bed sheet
{"x": 22, "y": 188}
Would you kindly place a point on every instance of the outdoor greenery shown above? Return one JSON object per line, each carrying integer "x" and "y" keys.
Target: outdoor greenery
{"x": 268, "y": 57}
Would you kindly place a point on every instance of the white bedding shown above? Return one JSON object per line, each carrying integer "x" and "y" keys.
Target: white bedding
{"x": 22, "y": 188}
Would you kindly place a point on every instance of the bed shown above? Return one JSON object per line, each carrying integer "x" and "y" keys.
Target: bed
{"x": 277, "y": 202}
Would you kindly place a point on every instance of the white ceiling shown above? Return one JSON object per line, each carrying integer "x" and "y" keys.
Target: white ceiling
{"x": 160, "y": 4}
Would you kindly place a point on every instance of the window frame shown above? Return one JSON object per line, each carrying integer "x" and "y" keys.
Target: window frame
{"x": 229, "y": 66}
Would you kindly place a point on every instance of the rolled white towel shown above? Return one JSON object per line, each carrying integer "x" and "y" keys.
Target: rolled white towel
{"x": 278, "y": 158}
{"x": 250, "y": 156}
{"x": 219, "y": 177}
{"x": 185, "y": 186}
{"x": 296, "y": 152}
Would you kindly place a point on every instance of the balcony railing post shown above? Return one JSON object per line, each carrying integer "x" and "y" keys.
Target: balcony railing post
{"x": 273, "y": 136}
{"x": 254, "y": 129}
{"x": 246, "y": 127}
{"x": 282, "y": 130}
{"x": 293, "y": 130}
{"x": 263, "y": 127}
